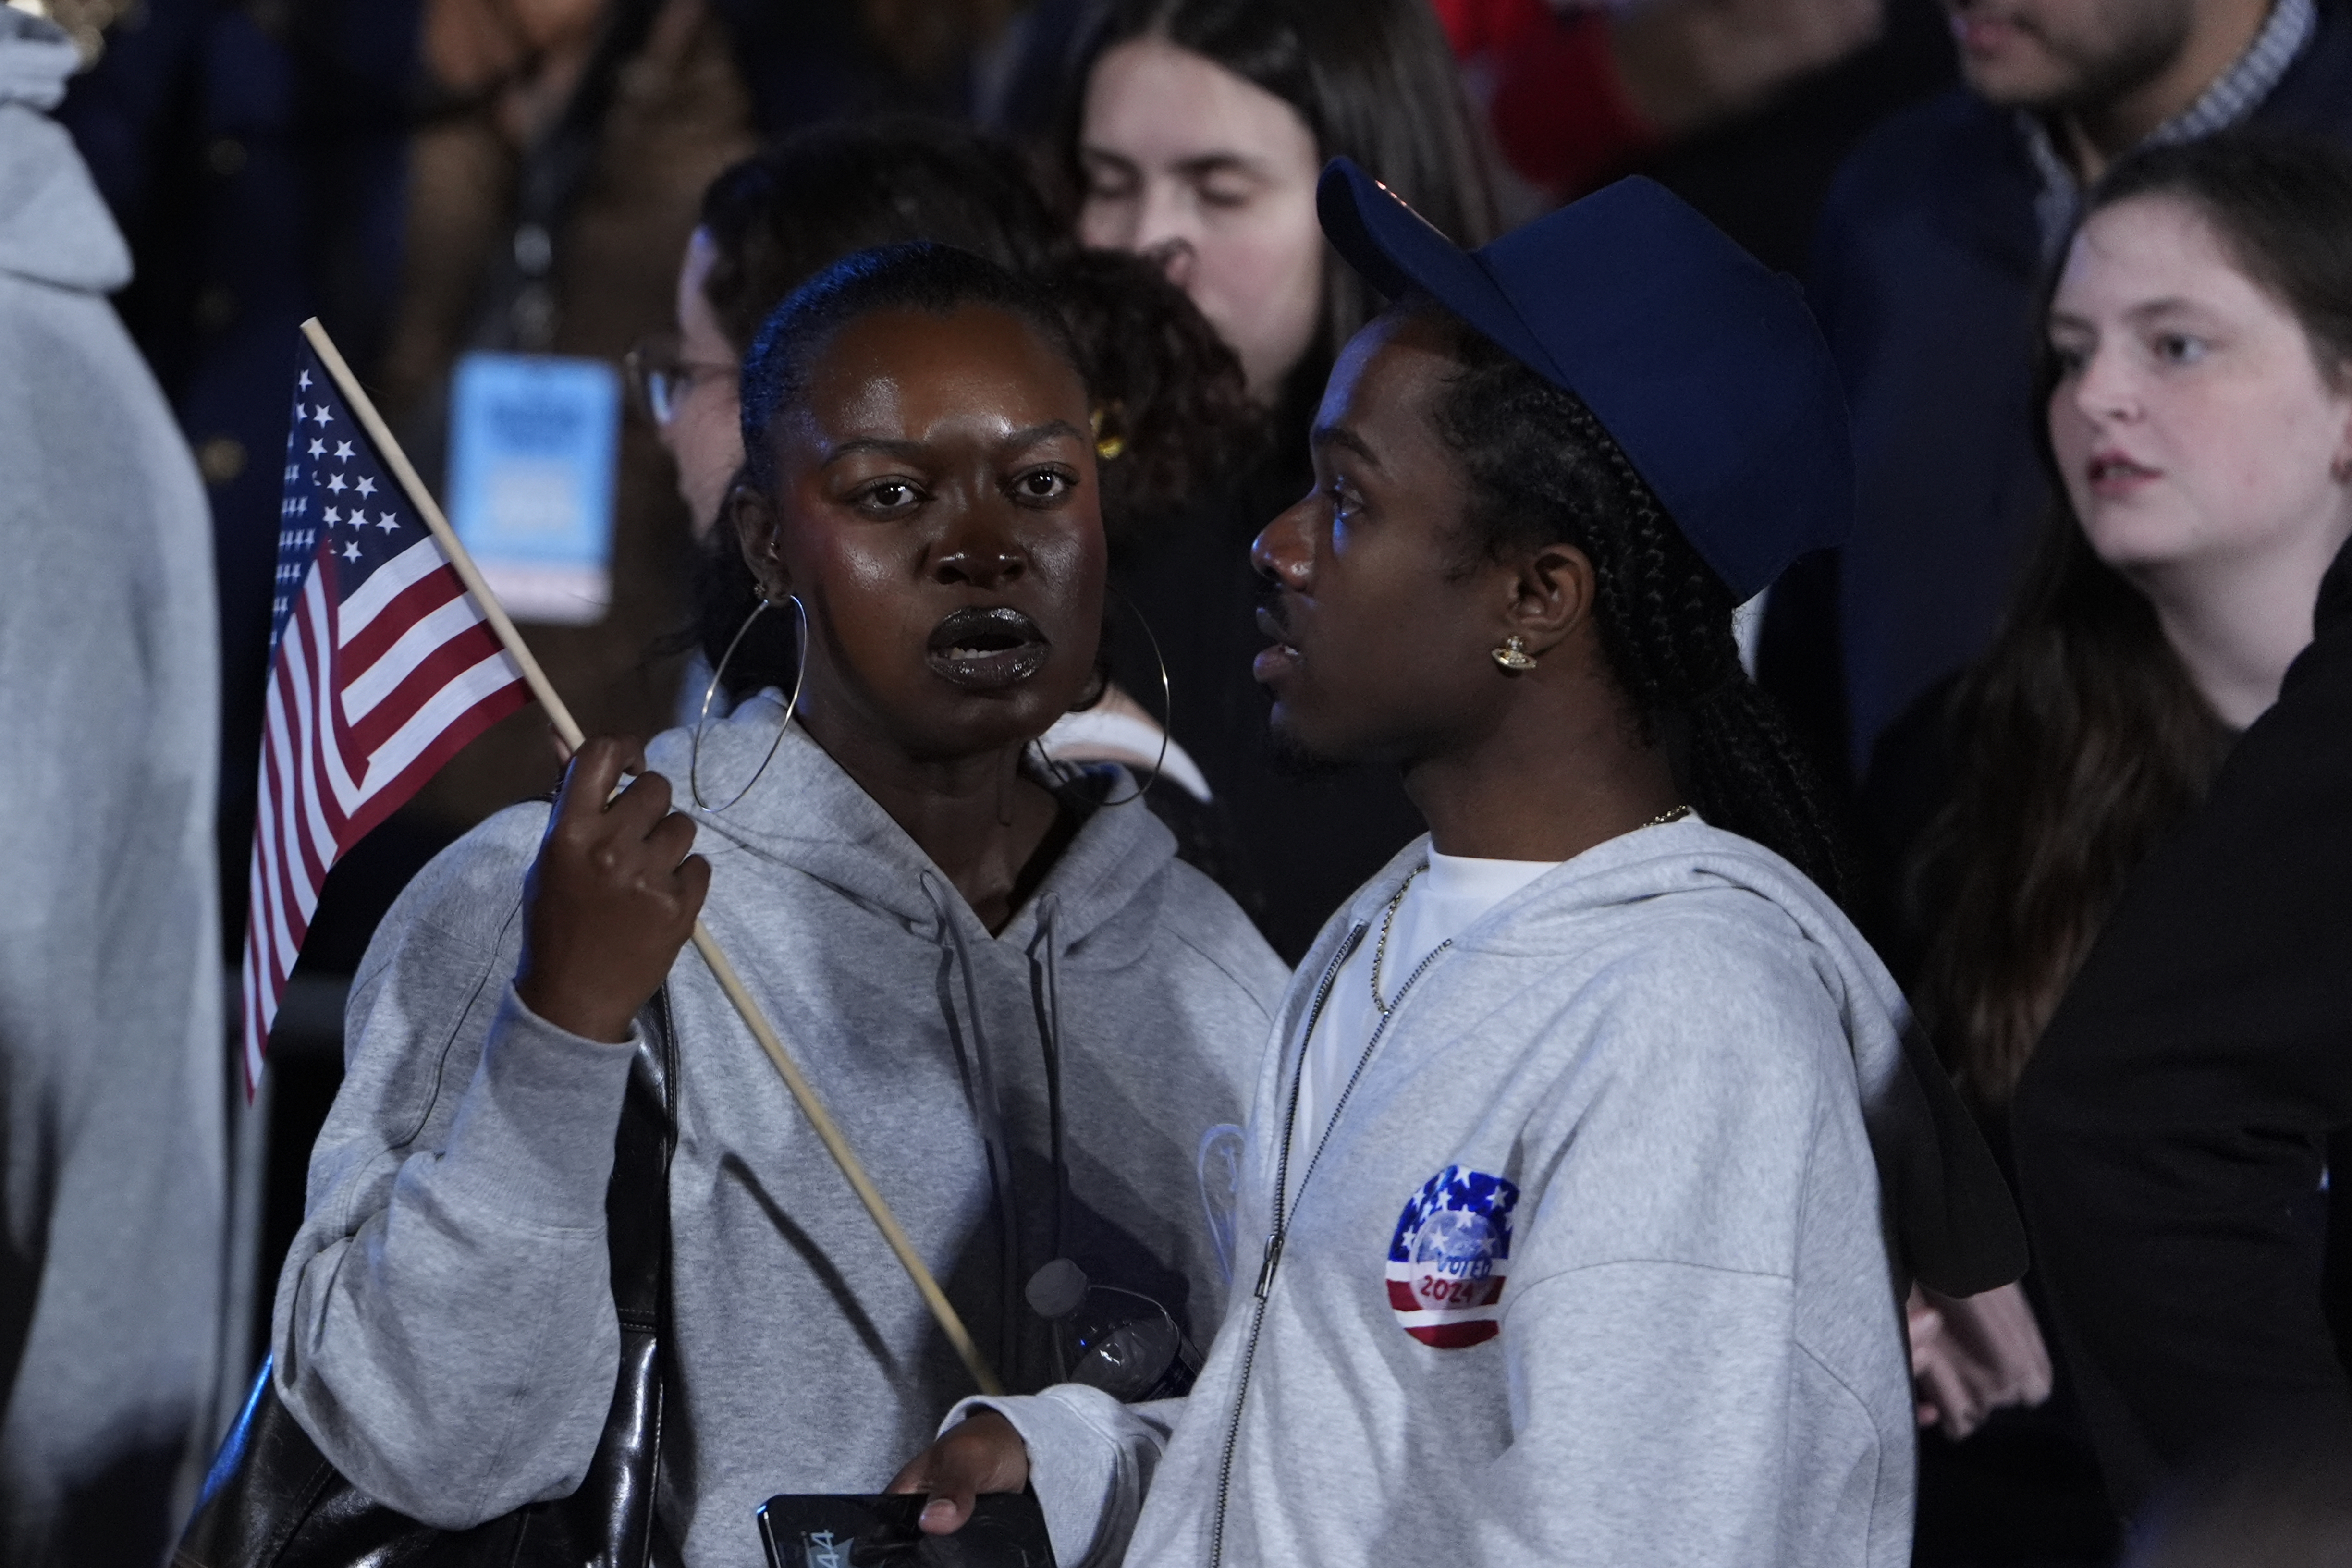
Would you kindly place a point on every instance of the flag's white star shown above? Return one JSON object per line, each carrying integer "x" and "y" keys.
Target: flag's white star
{"x": 387, "y": 523}
{"x": 367, "y": 486}
{"x": 352, "y": 550}
{"x": 342, "y": 450}
{"x": 333, "y": 517}
{"x": 318, "y": 448}
{"x": 303, "y": 381}
{"x": 335, "y": 483}
{"x": 320, "y": 414}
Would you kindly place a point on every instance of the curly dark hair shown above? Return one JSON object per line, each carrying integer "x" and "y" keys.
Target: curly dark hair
{"x": 1168, "y": 390}
{"x": 1542, "y": 470}
{"x": 777, "y": 219}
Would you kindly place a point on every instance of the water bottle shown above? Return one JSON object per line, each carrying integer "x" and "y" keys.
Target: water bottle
{"x": 1120, "y": 1342}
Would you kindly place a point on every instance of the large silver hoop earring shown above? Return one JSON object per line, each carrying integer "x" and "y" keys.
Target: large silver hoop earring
{"x": 1066, "y": 771}
{"x": 800, "y": 674}
{"x": 1167, "y": 698}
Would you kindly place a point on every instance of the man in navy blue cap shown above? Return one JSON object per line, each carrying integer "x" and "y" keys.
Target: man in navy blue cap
{"x": 1595, "y": 1146}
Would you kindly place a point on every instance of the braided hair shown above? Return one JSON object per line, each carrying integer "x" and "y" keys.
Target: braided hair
{"x": 1542, "y": 470}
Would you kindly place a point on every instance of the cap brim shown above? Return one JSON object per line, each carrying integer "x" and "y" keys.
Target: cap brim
{"x": 1399, "y": 252}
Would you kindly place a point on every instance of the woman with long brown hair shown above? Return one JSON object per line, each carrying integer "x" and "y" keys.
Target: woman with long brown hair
{"x": 1194, "y": 134}
{"x": 2197, "y": 387}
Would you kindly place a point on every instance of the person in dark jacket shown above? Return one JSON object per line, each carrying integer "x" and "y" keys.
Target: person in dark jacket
{"x": 2196, "y": 392}
{"x": 2176, "y": 1129}
{"x": 1926, "y": 267}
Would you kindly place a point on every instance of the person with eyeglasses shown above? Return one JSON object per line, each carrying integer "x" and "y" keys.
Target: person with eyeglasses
{"x": 684, "y": 383}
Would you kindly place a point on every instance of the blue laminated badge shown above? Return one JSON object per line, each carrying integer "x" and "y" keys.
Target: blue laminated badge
{"x": 532, "y": 444}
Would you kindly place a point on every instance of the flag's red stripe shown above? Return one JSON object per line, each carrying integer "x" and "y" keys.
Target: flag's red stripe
{"x": 304, "y": 824}
{"x": 319, "y": 782}
{"x": 296, "y": 861}
{"x": 448, "y": 743}
{"x": 302, "y": 801}
{"x": 277, "y": 763}
{"x": 407, "y": 607}
{"x": 405, "y": 701}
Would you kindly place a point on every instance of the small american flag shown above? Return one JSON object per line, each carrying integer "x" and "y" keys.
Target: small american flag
{"x": 380, "y": 668}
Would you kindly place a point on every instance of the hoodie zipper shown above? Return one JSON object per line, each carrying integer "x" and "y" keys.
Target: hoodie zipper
{"x": 1282, "y": 1205}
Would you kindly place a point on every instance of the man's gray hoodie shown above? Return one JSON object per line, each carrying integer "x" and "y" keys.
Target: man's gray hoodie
{"x": 444, "y": 1328}
{"x": 114, "y": 1067}
{"x": 1593, "y": 1268}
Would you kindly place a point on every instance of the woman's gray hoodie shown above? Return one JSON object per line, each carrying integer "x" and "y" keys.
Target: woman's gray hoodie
{"x": 444, "y": 1328}
{"x": 1593, "y": 1268}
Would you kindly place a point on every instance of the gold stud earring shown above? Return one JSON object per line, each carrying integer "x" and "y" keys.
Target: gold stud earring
{"x": 1513, "y": 655}
{"x": 1109, "y": 448}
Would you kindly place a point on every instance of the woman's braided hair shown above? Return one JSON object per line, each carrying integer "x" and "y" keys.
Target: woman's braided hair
{"x": 1542, "y": 470}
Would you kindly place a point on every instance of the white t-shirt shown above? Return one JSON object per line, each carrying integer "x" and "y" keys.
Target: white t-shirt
{"x": 1442, "y": 902}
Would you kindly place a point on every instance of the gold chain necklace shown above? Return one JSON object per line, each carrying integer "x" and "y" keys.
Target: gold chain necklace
{"x": 1380, "y": 952}
{"x": 1388, "y": 920}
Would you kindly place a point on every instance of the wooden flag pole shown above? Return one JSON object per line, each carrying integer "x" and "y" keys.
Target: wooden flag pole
{"x": 827, "y": 1130}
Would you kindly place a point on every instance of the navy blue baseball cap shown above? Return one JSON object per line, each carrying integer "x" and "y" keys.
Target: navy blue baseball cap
{"x": 1703, "y": 363}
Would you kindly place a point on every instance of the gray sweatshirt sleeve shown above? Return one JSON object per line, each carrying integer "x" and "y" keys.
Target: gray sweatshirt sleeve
{"x": 444, "y": 1328}
{"x": 1090, "y": 1462}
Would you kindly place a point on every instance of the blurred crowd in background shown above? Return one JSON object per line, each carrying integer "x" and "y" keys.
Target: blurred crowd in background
{"x": 2010, "y": 727}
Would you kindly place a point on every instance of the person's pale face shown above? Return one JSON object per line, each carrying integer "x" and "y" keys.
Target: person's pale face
{"x": 705, "y": 435}
{"x": 1185, "y": 161}
{"x": 2191, "y": 420}
{"x": 2066, "y": 54}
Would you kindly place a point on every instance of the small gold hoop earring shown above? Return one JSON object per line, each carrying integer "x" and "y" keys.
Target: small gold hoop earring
{"x": 800, "y": 674}
{"x": 1513, "y": 656}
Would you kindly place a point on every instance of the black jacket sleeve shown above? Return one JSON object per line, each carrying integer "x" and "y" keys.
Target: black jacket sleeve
{"x": 2172, "y": 1130}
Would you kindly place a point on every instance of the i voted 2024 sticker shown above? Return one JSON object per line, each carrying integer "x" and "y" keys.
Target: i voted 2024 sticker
{"x": 1449, "y": 1256}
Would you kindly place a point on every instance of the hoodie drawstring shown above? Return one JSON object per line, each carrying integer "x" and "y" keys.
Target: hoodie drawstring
{"x": 1045, "y": 998}
{"x": 975, "y": 1068}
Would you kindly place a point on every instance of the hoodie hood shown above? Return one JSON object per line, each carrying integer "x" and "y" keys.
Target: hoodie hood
{"x": 804, "y": 812}
{"x": 1951, "y": 1218}
{"x": 54, "y": 226}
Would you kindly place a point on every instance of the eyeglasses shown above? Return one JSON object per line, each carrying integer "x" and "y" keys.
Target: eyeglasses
{"x": 661, "y": 378}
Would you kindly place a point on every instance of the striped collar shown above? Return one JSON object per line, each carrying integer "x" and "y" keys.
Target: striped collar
{"x": 2234, "y": 95}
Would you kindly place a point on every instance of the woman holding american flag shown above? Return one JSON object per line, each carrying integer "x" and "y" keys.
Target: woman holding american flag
{"x": 1028, "y": 1016}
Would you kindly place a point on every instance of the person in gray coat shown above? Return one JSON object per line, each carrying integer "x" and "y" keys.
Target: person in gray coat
{"x": 113, "y": 1062}
{"x": 1027, "y": 1015}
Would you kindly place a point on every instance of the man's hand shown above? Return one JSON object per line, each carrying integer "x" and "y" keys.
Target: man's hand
{"x": 980, "y": 1454}
{"x": 1972, "y": 1355}
{"x": 612, "y": 897}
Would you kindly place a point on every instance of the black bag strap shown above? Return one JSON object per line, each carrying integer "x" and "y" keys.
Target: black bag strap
{"x": 273, "y": 1500}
